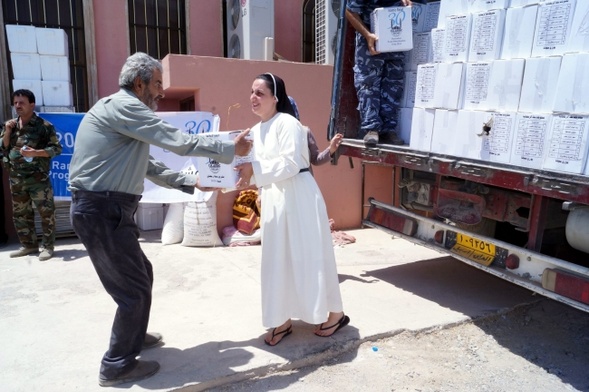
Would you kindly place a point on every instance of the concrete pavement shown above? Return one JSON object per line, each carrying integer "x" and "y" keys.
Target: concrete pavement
{"x": 55, "y": 317}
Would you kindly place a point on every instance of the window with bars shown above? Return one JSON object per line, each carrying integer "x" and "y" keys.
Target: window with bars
{"x": 157, "y": 27}
{"x": 309, "y": 31}
{"x": 61, "y": 14}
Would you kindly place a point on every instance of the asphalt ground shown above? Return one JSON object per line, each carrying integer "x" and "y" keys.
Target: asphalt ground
{"x": 55, "y": 317}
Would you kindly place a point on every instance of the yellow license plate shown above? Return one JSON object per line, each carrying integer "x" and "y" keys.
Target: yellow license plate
{"x": 474, "y": 249}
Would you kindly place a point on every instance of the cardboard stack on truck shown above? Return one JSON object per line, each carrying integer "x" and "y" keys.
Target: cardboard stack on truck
{"x": 495, "y": 119}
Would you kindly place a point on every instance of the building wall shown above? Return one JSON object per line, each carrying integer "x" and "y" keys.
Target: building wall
{"x": 205, "y": 34}
{"x": 222, "y": 86}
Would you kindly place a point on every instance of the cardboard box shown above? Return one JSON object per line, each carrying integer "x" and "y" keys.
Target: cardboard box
{"x": 421, "y": 52}
{"x": 220, "y": 175}
{"x": 468, "y": 139}
{"x": 33, "y": 85}
{"x": 518, "y": 33}
{"x": 418, "y": 15}
{"x": 425, "y": 85}
{"x": 498, "y": 143}
{"x": 404, "y": 125}
{"x": 579, "y": 39}
{"x": 567, "y": 144}
{"x": 56, "y": 93}
{"x": 531, "y": 140}
{"x": 553, "y": 27}
{"x": 457, "y": 37}
{"x": 487, "y": 5}
{"x": 432, "y": 14}
{"x": 150, "y": 216}
{"x": 573, "y": 85}
{"x": 52, "y": 42}
{"x": 486, "y": 35}
{"x": 438, "y": 39}
{"x": 451, "y": 8}
{"x": 422, "y": 125}
{"x": 448, "y": 91}
{"x": 539, "y": 84}
{"x": 505, "y": 84}
{"x": 55, "y": 68}
{"x": 21, "y": 39}
{"x": 394, "y": 28}
{"x": 521, "y": 3}
{"x": 444, "y": 131}
{"x": 26, "y": 66}
{"x": 476, "y": 85}
{"x": 409, "y": 89}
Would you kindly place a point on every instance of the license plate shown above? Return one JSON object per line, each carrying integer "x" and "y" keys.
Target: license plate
{"x": 474, "y": 249}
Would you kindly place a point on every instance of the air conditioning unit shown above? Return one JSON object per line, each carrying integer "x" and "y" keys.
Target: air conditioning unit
{"x": 249, "y": 23}
{"x": 326, "y": 17}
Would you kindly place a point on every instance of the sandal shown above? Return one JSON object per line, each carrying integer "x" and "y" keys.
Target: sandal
{"x": 284, "y": 334}
{"x": 345, "y": 320}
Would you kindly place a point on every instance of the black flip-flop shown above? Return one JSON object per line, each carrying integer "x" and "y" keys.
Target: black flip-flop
{"x": 345, "y": 320}
{"x": 286, "y": 332}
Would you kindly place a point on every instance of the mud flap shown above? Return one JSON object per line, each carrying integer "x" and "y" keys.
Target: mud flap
{"x": 381, "y": 215}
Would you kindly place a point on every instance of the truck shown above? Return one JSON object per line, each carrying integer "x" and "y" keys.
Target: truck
{"x": 526, "y": 226}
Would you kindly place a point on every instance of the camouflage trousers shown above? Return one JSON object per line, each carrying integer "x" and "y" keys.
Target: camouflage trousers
{"x": 379, "y": 82}
{"x": 27, "y": 191}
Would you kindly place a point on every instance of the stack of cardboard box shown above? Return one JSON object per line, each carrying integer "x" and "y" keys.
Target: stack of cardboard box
{"x": 40, "y": 63}
{"x": 514, "y": 67}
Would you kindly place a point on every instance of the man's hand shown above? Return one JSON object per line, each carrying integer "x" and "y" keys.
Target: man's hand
{"x": 10, "y": 125}
{"x": 406, "y": 3}
{"x": 242, "y": 145}
{"x": 371, "y": 38}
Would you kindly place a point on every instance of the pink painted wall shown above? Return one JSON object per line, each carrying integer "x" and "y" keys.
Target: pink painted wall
{"x": 205, "y": 34}
{"x": 111, "y": 38}
{"x": 288, "y": 21}
{"x": 222, "y": 86}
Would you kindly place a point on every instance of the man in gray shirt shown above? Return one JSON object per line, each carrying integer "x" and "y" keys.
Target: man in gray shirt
{"x": 110, "y": 162}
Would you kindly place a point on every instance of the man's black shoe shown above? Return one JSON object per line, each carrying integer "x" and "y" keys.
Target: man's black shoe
{"x": 391, "y": 138}
{"x": 152, "y": 340}
{"x": 143, "y": 370}
{"x": 371, "y": 139}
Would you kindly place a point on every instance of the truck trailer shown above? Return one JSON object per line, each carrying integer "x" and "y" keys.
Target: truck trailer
{"x": 529, "y": 226}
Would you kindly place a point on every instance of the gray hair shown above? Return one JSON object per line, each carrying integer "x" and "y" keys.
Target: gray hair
{"x": 138, "y": 65}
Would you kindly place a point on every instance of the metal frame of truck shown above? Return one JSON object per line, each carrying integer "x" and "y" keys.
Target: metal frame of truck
{"x": 454, "y": 204}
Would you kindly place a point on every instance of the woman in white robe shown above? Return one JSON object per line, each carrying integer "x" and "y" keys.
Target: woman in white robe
{"x": 299, "y": 275}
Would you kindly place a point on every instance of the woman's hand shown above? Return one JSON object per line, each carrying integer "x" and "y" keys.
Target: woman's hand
{"x": 335, "y": 142}
{"x": 245, "y": 172}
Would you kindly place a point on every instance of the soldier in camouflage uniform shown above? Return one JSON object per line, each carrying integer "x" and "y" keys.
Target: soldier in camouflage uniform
{"x": 379, "y": 78}
{"x": 28, "y": 144}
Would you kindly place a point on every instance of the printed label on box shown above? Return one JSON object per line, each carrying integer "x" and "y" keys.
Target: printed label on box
{"x": 567, "y": 146}
{"x": 530, "y": 140}
{"x": 457, "y": 37}
{"x": 425, "y": 85}
{"x": 487, "y": 31}
{"x": 477, "y": 85}
{"x": 499, "y": 134}
{"x": 553, "y": 27}
{"x": 394, "y": 28}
